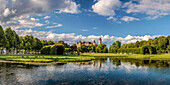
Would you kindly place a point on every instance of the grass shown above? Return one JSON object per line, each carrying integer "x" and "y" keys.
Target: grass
{"x": 45, "y": 58}
{"x": 82, "y": 57}
{"x": 126, "y": 56}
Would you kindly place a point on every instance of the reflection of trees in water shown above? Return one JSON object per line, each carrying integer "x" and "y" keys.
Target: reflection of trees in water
{"x": 17, "y": 65}
{"x": 144, "y": 62}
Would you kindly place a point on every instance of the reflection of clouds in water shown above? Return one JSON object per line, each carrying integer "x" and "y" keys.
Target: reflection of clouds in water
{"x": 131, "y": 68}
{"x": 26, "y": 76}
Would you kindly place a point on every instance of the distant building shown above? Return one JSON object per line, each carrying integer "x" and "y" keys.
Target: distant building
{"x": 87, "y": 43}
{"x": 100, "y": 41}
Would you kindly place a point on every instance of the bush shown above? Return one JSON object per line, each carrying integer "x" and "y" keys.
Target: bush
{"x": 53, "y": 50}
{"x": 56, "y": 49}
{"x": 46, "y": 49}
{"x": 128, "y": 50}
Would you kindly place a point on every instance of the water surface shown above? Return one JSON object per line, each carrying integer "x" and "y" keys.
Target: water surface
{"x": 99, "y": 72}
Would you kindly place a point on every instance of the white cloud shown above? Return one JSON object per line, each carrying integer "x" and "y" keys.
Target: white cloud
{"x": 58, "y": 25}
{"x": 72, "y": 38}
{"x": 22, "y": 21}
{"x": 33, "y": 19}
{"x": 11, "y": 11}
{"x": 106, "y": 7}
{"x": 84, "y": 30}
{"x": 127, "y": 19}
{"x": 153, "y": 8}
{"x": 95, "y": 28}
{"x": 46, "y": 17}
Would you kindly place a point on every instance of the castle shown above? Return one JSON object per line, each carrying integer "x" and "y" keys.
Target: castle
{"x": 87, "y": 43}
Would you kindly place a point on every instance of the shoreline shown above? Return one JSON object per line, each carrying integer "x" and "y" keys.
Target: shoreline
{"x": 32, "y": 63}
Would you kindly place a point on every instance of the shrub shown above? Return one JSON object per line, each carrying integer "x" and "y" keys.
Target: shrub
{"x": 56, "y": 49}
{"x": 46, "y": 50}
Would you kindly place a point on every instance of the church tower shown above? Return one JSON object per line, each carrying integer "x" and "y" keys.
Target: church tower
{"x": 100, "y": 41}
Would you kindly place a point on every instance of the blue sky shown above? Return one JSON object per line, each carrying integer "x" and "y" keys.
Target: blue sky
{"x": 74, "y": 20}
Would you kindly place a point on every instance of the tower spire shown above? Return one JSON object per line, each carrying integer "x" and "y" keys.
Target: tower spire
{"x": 100, "y": 40}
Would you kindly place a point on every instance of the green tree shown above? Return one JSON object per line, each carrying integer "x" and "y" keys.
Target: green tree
{"x": 16, "y": 41}
{"x": 2, "y": 38}
{"x": 105, "y": 50}
{"x": 50, "y": 42}
{"x": 100, "y": 48}
{"x": 37, "y": 45}
{"x": 9, "y": 38}
{"x": 73, "y": 47}
{"x": 118, "y": 44}
{"x": 84, "y": 48}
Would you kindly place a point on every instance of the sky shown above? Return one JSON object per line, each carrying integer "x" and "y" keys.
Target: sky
{"x": 74, "y": 20}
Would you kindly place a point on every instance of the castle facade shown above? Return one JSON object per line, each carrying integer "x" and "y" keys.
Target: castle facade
{"x": 87, "y": 43}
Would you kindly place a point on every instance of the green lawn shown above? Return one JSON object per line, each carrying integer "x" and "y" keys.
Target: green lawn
{"x": 82, "y": 57}
{"x": 132, "y": 56}
{"x": 45, "y": 58}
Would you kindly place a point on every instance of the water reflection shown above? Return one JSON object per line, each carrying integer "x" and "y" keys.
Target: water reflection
{"x": 108, "y": 72}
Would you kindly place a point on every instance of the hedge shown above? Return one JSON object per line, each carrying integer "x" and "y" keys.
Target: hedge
{"x": 53, "y": 49}
{"x": 140, "y": 50}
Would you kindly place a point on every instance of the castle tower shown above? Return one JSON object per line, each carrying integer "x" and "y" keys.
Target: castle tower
{"x": 100, "y": 41}
{"x": 94, "y": 42}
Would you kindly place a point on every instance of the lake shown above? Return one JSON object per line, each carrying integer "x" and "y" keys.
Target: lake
{"x": 99, "y": 72}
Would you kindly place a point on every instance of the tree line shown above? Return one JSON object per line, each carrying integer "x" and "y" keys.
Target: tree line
{"x": 12, "y": 43}
{"x": 101, "y": 48}
{"x": 160, "y": 44}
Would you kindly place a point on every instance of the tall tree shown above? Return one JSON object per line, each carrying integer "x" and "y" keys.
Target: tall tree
{"x": 9, "y": 38}
{"x": 118, "y": 44}
{"x": 2, "y": 39}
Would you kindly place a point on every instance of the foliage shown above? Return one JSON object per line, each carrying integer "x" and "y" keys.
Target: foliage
{"x": 67, "y": 50}
{"x": 2, "y": 37}
{"x": 160, "y": 44}
{"x": 56, "y": 49}
{"x": 73, "y": 47}
{"x": 46, "y": 50}
{"x": 101, "y": 48}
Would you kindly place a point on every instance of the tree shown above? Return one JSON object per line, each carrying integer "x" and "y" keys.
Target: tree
{"x": 50, "y": 42}
{"x": 101, "y": 48}
{"x": 9, "y": 38}
{"x": 16, "y": 41}
{"x": 28, "y": 47}
{"x": 28, "y": 39}
{"x": 2, "y": 38}
{"x": 105, "y": 50}
{"x": 73, "y": 47}
{"x": 65, "y": 44}
{"x": 37, "y": 45}
{"x": 84, "y": 48}
{"x": 162, "y": 43}
{"x": 118, "y": 44}
{"x": 137, "y": 44}
{"x": 44, "y": 42}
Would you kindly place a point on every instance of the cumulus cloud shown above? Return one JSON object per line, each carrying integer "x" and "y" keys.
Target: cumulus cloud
{"x": 58, "y": 25}
{"x": 10, "y": 11}
{"x": 22, "y": 22}
{"x": 72, "y": 38}
{"x": 46, "y": 17}
{"x": 84, "y": 30}
{"x": 106, "y": 7}
{"x": 153, "y": 8}
{"x": 127, "y": 19}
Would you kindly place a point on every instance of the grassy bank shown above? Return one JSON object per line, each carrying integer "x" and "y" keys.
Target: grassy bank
{"x": 126, "y": 56}
{"x": 83, "y": 57}
{"x": 45, "y": 58}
